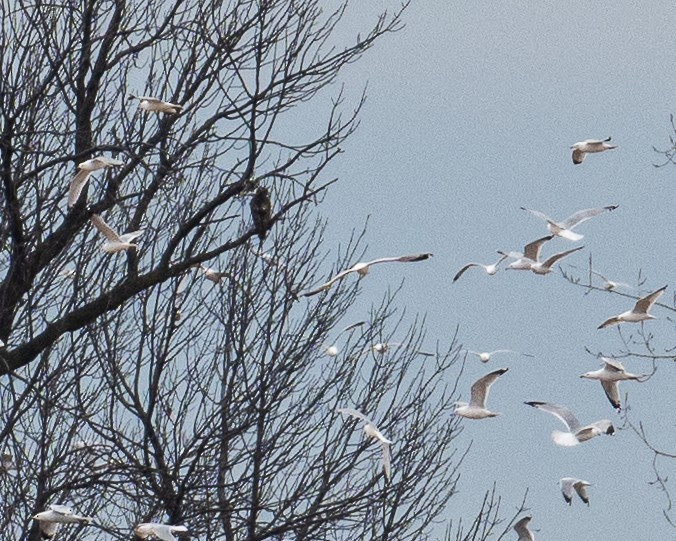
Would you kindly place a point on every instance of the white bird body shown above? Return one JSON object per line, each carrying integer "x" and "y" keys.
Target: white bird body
{"x": 165, "y": 532}
{"x": 485, "y": 356}
{"x": 116, "y": 243}
{"x": 476, "y": 409}
{"x": 372, "y": 431}
{"x": 362, "y": 268}
{"x": 530, "y": 255}
{"x": 564, "y": 229}
{"x": 576, "y": 432}
{"x": 610, "y": 285}
{"x": 212, "y": 274}
{"x": 638, "y": 313}
{"x": 610, "y": 375}
{"x": 331, "y": 351}
{"x": 523, "y": 531}
{"x": 85, "y": 170}
{"x": 545, "y": 267}
{"x": 490, "y": 269}
{"x": 589, "y": 146}
{"x": 51, "y": 520}
{"x": 569, "y": 485}
{"x": 156, "y": 105}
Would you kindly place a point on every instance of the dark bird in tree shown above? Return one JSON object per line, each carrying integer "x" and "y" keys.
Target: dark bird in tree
{"x": 261, "y": 212}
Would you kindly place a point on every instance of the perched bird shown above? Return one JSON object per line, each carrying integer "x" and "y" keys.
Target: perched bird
{"x": 476, "y": 409}
{"x": 570, "y": 484}
{"x": 530, "y": 255}
{"x": 363, "y": 268}
{"x": 85, "y": 170}
{"x": 588, "y": 146}
{"x": 638, "y": 313}
{"x": 261, "y": 212}
{"x": 371, "y": 430}
{"x": 485, "y": 356}
{"x": 610, "y": 375}
{"x": 116, "y": 243}
{"x": 523, "y": 531}
{"x": 490, "y": 269}
{"x": 576, "y": 432}
{"x": 564, "y": 229}
{"x": 51, "y": 520}
{"x": 545, "y": 267}
{"x": 155, "y": 105}
{"x": 165, "y": 532}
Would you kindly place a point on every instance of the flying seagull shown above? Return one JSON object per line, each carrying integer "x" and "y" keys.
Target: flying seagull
{"x": 156, "y": 105}
{"x": 576, "y": 432}
{"x": 165, "y": 532}
{"x": 638, "y": 313}
{"x": 476, "y": 409}
{"x": 261, "y": 212}
{"x": 85, "y": 170}
{"x": 545, "y": 267}
{"x": 213, "y": 275}
{"x": 610, "y": 375}
{"x": 116, "y": 243}
{"x": 362, "y": 268}
{"x": 522, "y": 529}
{"x": 371, "y": 430}
{"x": 485, "y": 356}
{"x": 610, "y": 285}
{"x": 332, "y": 350}
{"x": 570, "y": 484}
{"x": 530, "y": 255}
{"x": 564, "y": 229}
{"x": 588, "y": 146}
{"x": 490, "y": 269}
{"x": 51, "y": 520}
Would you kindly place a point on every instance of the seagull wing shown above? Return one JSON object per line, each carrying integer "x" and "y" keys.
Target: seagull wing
{"x": 400, "y": 259}
{"x": 128, "y": 237}
{"x": 532, "y": 250}
{"x": 578, "y": 156}
{"x": 76, "y": 186}
{"x": 482, "y": 386}
{"x": 615, "y": 320}
{"x": 561, "y": 412}
{"x": 521, "y": 528}
{"x": 108, "y": 162}
{"x": 164, "y": 532}
{"x": 566, "y": 485}
{"x": 61, "y": 510}
{"x": 612, "y": 392}
{"x": 581, "y": 489}
{"x": 646, "y": 303}
{"x": 356, "y": 414}
{"x": 387, "y": 459}
{"x": 553, "y": 259}
{"x": 539, "y": 214}
{"x": 584, "y": 215}
{"x": 104, "y": 228}
{"x": 612, "y": 365}
{"x": 462, "y": 270}
{"x": 328, "y": 284}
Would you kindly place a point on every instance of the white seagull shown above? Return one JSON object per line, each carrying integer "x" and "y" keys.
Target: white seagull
{"x": 638, "y": 313}
{"x": 610, "y": 375}
{"x": 165, "y": 532}
{"x": 116, "y": 243}
{"x": 589, "y": 146}
{"x": 610, "y": 285}
{"x": 363, "y": 268}
{"x": 545, "y": 267}
{"x": 522, "y": 529}
{"x": 476, "y": 409}
{"x": 332, "y": 350}
{"x": 530, "y": 255}
{"x": 51, "y": 520}
{"x": 85, "y": 170}
{"x": 576, "y": 432}
{"x": 213, "y": 275}
{"x": 490, "y": 269}
{"x": 485, "y": 356}
{"x": 156, "y": 105}
{"x": 564, "y": 229}
{"x": 570, "y": 484}
{"x": 371, "y": 430}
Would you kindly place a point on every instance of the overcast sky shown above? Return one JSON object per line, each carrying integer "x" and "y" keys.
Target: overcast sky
{"x": 471, "y": 112}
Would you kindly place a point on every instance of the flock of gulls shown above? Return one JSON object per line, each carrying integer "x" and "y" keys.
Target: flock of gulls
{"x": 611, "y": 373}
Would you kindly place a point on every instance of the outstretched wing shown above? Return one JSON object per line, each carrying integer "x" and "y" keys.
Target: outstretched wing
{"x": 646, "y": 303}
{"x": 482, "y": 386}
{"x": 462, "y": 270}
{"x": 76, "y": 186}
{"x": 561, "y": 412}
{"x": 553, "y": 259}
{"x": 401, "y": 259}
{"x": 532, "y": 250}
{"x": 104, "y": 228}
{"x": 584, "y": 215}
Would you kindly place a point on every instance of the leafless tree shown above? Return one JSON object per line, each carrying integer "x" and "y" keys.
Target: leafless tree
{"x": 181, "y": 380}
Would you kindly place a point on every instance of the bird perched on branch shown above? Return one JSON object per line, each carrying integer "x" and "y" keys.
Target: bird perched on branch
{"x": 261, "y": 212}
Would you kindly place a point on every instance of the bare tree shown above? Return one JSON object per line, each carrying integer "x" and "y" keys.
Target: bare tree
{"x": 180, "y": 380}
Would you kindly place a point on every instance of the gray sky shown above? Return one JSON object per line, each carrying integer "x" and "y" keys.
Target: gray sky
{"x": 472, "y": 109}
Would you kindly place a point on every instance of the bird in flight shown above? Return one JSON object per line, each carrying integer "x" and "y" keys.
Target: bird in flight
{"x": 165, "y": 532}
{"x": 490, "y": 269}
{"x": 576, "y": 432}
{"x": 485, "y": 356}
{"x": 564, "y": 229}
{"x": 589, "y": 146}
{"x": 156, "y": 105}
{"x": 85, "y": 170}
{"x": 261, "y": 212}
{"x": 530, "y": 255}
{"x": 116, "y": 243}
{"x": 523, "y": 531}
{"x": 362, "y": 268}
{"x": 610, "y": 375}
{"x": 371, "y": 430}
{"x": 569, "y": 485}
{"x": 51, "y": 520}
{"x": 545, "y": 267}
{"x": 476, "y": 409}
{"x": 638, "y": 313}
